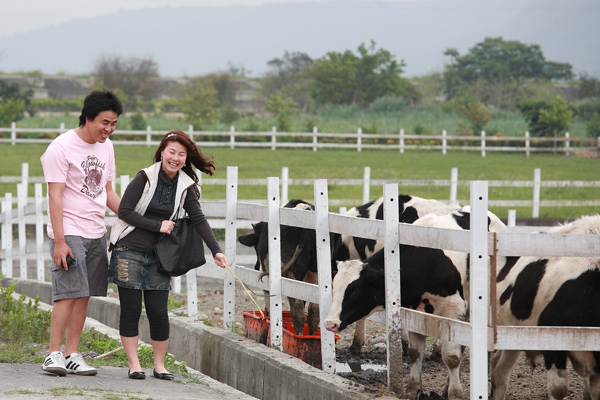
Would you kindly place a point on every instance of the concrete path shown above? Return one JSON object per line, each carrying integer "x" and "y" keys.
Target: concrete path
{"x": 30, "y": 382}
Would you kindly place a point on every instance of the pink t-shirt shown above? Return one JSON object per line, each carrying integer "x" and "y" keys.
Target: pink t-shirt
{"x": 84, "y": 169}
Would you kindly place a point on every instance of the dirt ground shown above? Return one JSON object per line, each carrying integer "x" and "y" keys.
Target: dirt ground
{"x": 525, "y": 383}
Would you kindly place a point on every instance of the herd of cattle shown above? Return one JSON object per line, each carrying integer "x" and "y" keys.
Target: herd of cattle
{"x": 532, "y": 291}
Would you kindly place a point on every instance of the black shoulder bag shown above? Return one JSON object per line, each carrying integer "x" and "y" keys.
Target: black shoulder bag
{"x": 180, "y": 251}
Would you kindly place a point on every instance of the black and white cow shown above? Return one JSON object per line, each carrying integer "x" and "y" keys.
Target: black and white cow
{"x": 432, "y": 280}
{"x": 298, "y": 261}
{"x": 346, "y": 247}
{"x": 555, "y": 291}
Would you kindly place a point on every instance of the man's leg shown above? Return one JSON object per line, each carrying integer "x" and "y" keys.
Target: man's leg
{"x": 75, "y": 325}
{"x": 61, "y": 314}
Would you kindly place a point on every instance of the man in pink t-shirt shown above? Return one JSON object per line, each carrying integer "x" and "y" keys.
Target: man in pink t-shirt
{"x": 79, "y": 167}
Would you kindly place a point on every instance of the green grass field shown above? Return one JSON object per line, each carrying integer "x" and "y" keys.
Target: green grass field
{"x": 349, "y": 164}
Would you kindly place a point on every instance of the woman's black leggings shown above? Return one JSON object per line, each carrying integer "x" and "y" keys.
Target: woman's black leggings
{"x": 156, "y": 309}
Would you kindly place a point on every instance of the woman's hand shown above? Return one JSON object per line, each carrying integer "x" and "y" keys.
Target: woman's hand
{"x": 167, "y": 226}
{"x": 221, "y": 260}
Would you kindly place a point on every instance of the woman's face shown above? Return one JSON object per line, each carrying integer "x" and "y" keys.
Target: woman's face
{"x": 173, "y": 158}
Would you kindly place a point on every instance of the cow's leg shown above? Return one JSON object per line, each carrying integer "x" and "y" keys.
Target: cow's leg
{"x": 298, "y": 315}
{"x": 503, "y": 362}
{"x": 360, "y": 329}
{"x": 452, "y": 356}
{"x": 416, "y": 351}
{"x": 267, "y": 302}
{"x": 558, "y": 383}
{"x": 592, "y": 387}
{"x": 313, "y": 318}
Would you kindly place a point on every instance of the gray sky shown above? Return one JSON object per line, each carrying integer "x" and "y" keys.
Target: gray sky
{"x": 28, "y": 15}
{"x": 195, "y": 37}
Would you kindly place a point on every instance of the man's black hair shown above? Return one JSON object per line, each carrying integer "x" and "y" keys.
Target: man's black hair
{"x": 98, "y": 101}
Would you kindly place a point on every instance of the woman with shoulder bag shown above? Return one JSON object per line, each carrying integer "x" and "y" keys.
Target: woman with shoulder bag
{"x": 150, "y": 203}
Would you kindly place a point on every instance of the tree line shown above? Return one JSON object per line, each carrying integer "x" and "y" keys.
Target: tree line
{"x": 494, "y": 74}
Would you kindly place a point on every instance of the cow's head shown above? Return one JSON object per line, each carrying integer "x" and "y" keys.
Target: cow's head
{"x": 358, "y": 291}
{"x": 257, "y": 239}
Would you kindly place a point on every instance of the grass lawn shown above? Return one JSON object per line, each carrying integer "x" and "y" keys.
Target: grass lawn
{"x": 349, "y": 164}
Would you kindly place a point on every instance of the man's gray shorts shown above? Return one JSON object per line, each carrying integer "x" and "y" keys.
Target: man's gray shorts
{"x": 89, "y": 277}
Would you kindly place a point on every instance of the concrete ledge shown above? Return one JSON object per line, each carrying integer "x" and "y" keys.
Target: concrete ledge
{"x": 225, "y": 356}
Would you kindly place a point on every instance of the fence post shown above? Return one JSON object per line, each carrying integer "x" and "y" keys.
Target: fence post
{"x": 453, "y": 184}
{"x": 527, "y": 144}
{"x": 479, "y": 302}
{"x": 13, "y": 133}
{"x": 148, "y": 136}
{"x": 21, "y": 203}
{"x": 8, "y": 272}
{"x": 39, "y": 231}
{"x": 62, "y": 128}
{"x": 444, "y": 141}
{"x": 25, "y": 178}
{"x": 324, "y": 272}
{"x": 123, "y": 182}
{"x": 314, "y": 138}
{"x": 232, "y": 137}
{"x": 512, "y": 218}
{"x": 359, "y": 140}
{"x": 537, "y": 184}
{"x": 366, "y": 184}
{"x": 482, "y": 143}
{"x": 274, "y": 139}
{"x": 392, "y": 287}
{"x": 567, "y": 144}
{"x": 401, "y": 141}
{"x": 231, "y": 194}
{"x": 285, "y": 182}
{"x": 274, "y": 263}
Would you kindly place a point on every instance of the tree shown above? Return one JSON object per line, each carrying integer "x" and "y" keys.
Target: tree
{"x": 14, "y": 100}
{"x": 199, "y": 105}
{"x": 347, "y": 78}
{"x": 509, "y": 64}
{"x": 283, "y": 107}
{"x": 475, "y": 113}
{"x": 287, "y": 75}
{"x": 136, "y": 77}
{"x": 223, "y": 83}
{"x": 593, "y": 126}
{"x": 547, "y": 118}
{"x": 588, "y": 87}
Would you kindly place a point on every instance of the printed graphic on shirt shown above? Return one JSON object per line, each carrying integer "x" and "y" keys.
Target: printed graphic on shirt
{"x": 93, "y": 176}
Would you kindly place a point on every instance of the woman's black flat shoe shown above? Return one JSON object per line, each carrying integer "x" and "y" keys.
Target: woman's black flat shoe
{"x": 136, "y": 375}
{"x": 165, "y": 375}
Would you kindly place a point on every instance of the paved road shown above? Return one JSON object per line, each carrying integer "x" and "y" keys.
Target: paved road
{"x": 29, "y": 382}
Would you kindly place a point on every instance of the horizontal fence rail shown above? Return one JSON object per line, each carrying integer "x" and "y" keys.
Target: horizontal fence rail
{"x": 478, "y": 333}
{"x": 320, "y": 140}
{"x": 366, "y": 183}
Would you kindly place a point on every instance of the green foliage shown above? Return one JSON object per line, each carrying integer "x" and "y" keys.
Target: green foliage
{"x": 137, "y": 122}
{"x": 546, "y": 118}
{"x": 589, "y": 86}
{"x": 287, "y": 74}
{"x": 11, "y": 111}
{"x": 283, "y": 108}
{"x": 476, "y": 114}
{"x": 347, "y": 78}
{"x": 593, "y": 126}
{"x": 388, "y": 104}
{"x": 495, "y": 71}
{"x": 229, "y": 115}
{"x": 22, "y": 322}
{"x": 13, "y": 102}
{"x": 198, "y": 104}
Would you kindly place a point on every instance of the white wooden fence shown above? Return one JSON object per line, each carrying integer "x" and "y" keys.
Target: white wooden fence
{"x": 366, "y": 182}
{"x": 316, "y": 140}
{"x": 480, "y": 334}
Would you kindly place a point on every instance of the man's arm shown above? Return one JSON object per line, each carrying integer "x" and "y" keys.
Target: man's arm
{"x": 61, "y": 249}
{"x": 112, "y": 198}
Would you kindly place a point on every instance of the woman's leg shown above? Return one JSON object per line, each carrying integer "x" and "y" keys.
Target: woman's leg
{"x": 131, "y": 309}
{"x": 157, "y": 311}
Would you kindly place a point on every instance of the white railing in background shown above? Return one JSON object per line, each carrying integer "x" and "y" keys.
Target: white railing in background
{"x": 316, "y": 140}
{"x": 479, "y": 334}
{"x": 366, "y": 182}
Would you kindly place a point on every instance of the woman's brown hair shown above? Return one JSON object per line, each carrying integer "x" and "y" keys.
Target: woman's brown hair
{"x": 194, "y": 157}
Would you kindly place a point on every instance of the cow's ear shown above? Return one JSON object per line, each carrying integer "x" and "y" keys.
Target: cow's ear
{"x": 248, "y": 240}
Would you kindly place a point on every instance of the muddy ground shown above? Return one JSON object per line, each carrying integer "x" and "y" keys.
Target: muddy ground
{"x": 525, "y": 383}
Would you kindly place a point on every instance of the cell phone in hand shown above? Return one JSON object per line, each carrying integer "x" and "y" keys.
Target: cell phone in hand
{"x": 71, "y": 262}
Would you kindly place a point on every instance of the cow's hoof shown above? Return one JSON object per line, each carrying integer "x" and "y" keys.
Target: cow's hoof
{"x": 356, "y": 348}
